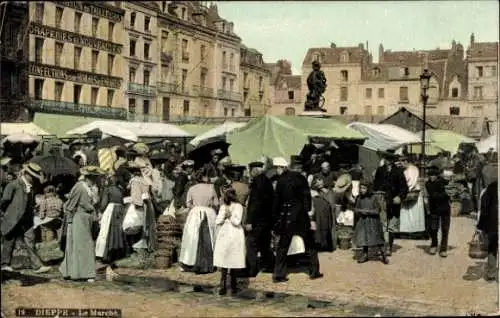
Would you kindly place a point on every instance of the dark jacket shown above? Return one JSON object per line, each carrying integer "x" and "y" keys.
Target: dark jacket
{"x": 292, "y": 204}
{"x": 439, "y": 200}
{"x": 260, "y": 202}
{"x": 16, "y": 207}
{"x": 393, "y": 183}
{"x": 488, "y": 219}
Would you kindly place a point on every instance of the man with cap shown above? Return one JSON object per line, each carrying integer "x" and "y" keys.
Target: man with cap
{"x": 17, "y": 209}
{"x": 259, "y": 219}
{"x": 211, "y": 167}
{"x": 235, "y": 173}
{"x": 292, "y": 210}
{"x": 391, "y": 180}
{"x": 439, "y": 210}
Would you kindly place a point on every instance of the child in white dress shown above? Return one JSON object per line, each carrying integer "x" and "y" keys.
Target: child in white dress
{"x": 229, "y": 252}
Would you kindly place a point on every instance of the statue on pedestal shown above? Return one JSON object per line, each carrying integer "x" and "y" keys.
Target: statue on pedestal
{"x": 316, "y": 82}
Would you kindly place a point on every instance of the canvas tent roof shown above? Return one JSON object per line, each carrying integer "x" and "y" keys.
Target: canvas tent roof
{"x": 384, "y": 136}
{"x": 218, "y": 131}
{"x": 445, "y": 139}
{"x": 282, "y": 136}
{"x": 127, "y": 129}
{"x": 22, "y": 128}
{"x": 197, "y": 129}
{"x": 491, "y": 142}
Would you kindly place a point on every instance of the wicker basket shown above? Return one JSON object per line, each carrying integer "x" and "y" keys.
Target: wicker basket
{"x": 455, "y": 208}
{"x": 478, "y": 247}
{"x": 163, "y": 262}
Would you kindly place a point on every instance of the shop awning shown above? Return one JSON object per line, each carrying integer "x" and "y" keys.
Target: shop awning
{"x": 60, "y": 124}
{"x": 22, "y": 128}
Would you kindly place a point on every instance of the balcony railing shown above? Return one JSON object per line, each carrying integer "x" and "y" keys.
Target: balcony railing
{"x": 286, "y": 100}
{"x": 165, "y": 87}
{"x": 203, "y": 91}
{"x": 145, "y": 118}
{"x": 67, "y": 108}
{"x": 404, "y": 100}
{"x": 228, "y": 95}
{"x": 141, "y": 89}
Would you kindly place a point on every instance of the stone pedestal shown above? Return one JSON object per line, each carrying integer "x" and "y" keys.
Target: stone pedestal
{"x": 315, "y": 114}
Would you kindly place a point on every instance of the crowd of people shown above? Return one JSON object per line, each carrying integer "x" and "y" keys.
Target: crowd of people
{"x": 240, "y": 220}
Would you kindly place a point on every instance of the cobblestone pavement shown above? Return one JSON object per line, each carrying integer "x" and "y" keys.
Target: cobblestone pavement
{"x": 144, "y": 302}
{"x": 414, "y": 282}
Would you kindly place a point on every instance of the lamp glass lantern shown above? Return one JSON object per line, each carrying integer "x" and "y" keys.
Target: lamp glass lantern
{"x": 425, "y": 79}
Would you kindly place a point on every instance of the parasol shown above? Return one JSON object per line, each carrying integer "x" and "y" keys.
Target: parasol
{"x": 21, "y": 139}
{"x": 56, "y": 165}
{"x": 110, "y": 142}
{"x": 201, "y": 154}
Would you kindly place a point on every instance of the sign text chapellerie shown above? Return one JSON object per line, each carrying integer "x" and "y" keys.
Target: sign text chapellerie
{"x": 100, "y": 10}
{"x": 74, "y": 76}
{"x": 78, "y": 39}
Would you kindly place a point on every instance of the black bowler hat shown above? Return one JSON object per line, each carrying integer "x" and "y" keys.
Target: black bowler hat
{"x": 433, "y": 171}
{"x": 256, "y": 164}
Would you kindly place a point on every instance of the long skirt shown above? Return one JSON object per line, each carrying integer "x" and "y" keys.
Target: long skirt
{"x": 412, "y": 219}
{"x": 79, "y": 258}
{"x": 191, "y": 233}
{"x": 111, "y": 242}
{"x": 369, "y": 231}
{"x": 205, "y": 255}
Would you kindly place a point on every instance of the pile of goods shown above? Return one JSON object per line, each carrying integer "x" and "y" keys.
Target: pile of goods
{"x": 169, "y": 235}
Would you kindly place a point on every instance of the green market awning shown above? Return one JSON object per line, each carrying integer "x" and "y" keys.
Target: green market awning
{"x": 60, "y": 124}
{"x": 445, "y": 139}
{"x": 283, "y": 136}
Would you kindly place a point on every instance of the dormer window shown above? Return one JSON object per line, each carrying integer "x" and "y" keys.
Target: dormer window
{"x": 344, "y": 57}
{"x": 376, "y": 71}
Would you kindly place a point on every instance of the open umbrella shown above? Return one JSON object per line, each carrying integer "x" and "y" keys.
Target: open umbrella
{"x": 110, "y": 142}
{"x": 201, "y": 154}
{"x": 21, "y": 139}
{"x": 56, "y": 165}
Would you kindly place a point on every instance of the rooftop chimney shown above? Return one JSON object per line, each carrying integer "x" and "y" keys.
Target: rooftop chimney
{"x": 472, "y": 38}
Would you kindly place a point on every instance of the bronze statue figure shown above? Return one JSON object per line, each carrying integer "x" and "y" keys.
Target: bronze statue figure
{"x": 316, "y": 82}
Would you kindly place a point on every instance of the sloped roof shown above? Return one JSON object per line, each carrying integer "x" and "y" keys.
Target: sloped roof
{"x": 329, "y": 55}
{"x": 468, "y": 126}
{"x": 483, "y": 50}
{"x": 370, "y": 75}
{"x": 291, "y": 81}
{"x": 403, "y": 57}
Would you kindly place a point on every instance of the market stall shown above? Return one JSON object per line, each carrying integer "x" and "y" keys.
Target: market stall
{"x": 283, "y": 136}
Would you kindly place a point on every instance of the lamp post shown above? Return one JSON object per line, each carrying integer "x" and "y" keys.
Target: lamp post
{"x": 424, "y": 87}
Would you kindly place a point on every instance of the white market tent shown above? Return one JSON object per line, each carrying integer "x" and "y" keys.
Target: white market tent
{"x": 384, "y": 136}
{"x": 216, "y": 132}
{"x": 22, "y": 129}
{"x": 130, "y": 130}
{"x": 485, "y": 145}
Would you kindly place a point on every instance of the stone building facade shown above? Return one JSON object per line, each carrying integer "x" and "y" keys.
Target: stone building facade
{"x": 285, "y": 90}
{"x": 255, "y": 83}
{"x": 482, "y": 69}
{"x": 76, "y": 59}
{"x": 141, "y": 60}
{"x": 14, "y": 53}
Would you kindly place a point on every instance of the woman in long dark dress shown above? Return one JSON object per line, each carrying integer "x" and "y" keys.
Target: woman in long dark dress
{"x": 111, "y": 242}
{"x": 368, "y": 231}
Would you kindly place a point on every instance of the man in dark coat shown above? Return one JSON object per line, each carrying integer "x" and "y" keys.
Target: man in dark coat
{"x": 391, "y": 180}
{"x": 489, "y": 173}
{"x": 488, "y": 224}
{"x": 259, "y": 220}
{"x": 17, "y": 211}
{"x": 292, "y": 210}
{"x": 183, "y": 182}
{"x": 439, "y": 210}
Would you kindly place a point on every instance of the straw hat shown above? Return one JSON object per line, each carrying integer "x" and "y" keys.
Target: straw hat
{"x": 92, "y": 171}
{"x": 33, "y": 170}
{"x": 342, "y": 183}
{"x": 140, "y": 148}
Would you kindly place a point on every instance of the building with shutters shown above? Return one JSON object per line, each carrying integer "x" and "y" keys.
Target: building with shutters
{"x": 255, "y": 83}
{"x": 76, "y": 58}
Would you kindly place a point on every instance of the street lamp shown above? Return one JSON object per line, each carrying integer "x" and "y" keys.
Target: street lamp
{"x": 425, "y": 78}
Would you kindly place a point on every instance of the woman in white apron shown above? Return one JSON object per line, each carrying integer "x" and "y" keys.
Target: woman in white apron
{"x": 198, "y": 236}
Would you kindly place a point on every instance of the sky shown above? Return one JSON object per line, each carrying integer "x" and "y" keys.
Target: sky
{"x": 286, "y": 29}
